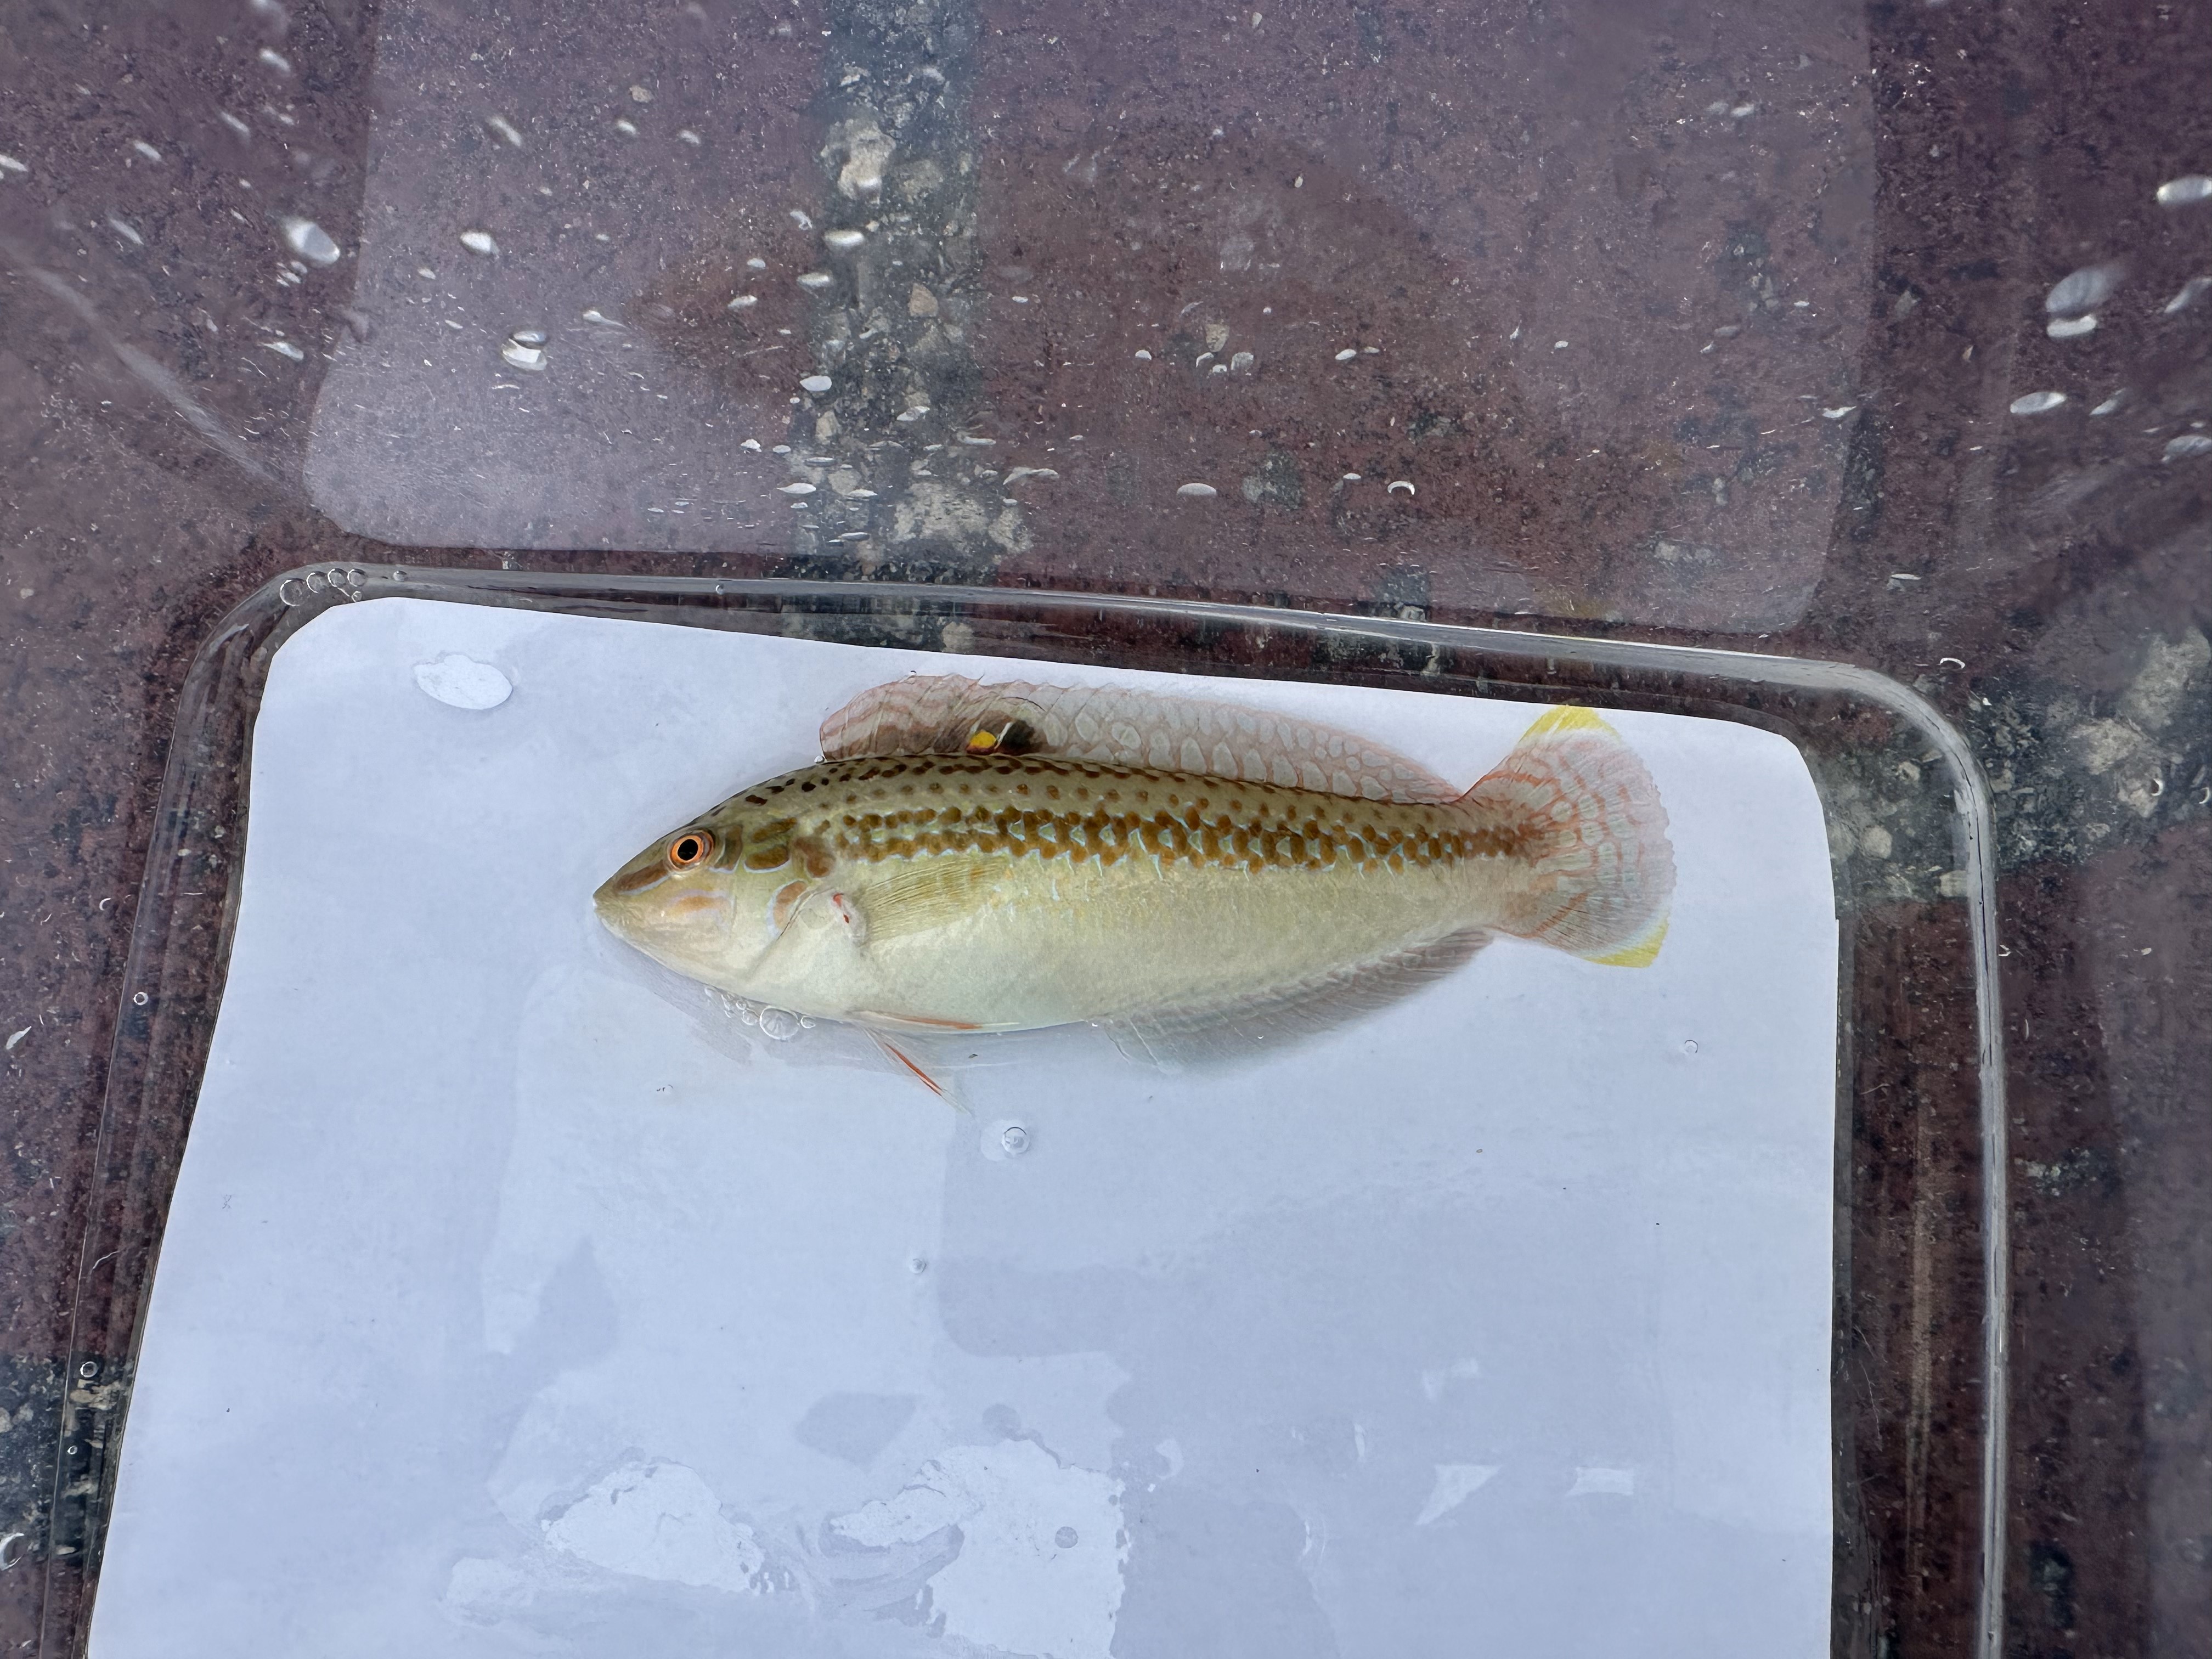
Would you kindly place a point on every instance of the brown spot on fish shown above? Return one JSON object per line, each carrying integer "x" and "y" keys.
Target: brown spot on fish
{"x": 636, "y": 881}
{"x": 769, "y": 847}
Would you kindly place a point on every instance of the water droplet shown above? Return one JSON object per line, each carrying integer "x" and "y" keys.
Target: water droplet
{"x": 316, "y": 582}
{"x": 743, "y": 302}
{"x": 1015, "y": 1139}
{"x": 2070, "y": 328}
{"x": 524, "y": 350}
{"x": 752, "y": 444}
{"x": 2185, "y": 191}
{"x": 10, "y": 165}
{"x": 628, "y": 129}
{"x": 1241, "y": 360}
{"x": 799, "y": 488}
{"x": 140, "y": 999}
{"x": 1064, "y": 1538}
{"x": 1689, "y": 1045}
{"x": 2112, "y": 403}
{"x": 756, "y": 264}
{"x": 285, "y": 348}
{"x": 2038, "y": 402}
{"x": 689, "y": 136}
{"x": 1838, "y": 412}
{"x": 275, "y": 60}
{"x": 146, "y": 149}
{"x": 919, "y": 1264}
{"x": 2189, "y": 443}
{"x": 1348, "y": 354}
{"x": 816, "y": 383}
{"x": 1405, "y": 485}
{"x": 290, "y": 590}
{"x": 479, "y": 241}
{"x": 816, "y": 279}
{"x": 1197, "y": 491}
{"x": 505, "y": 129}
{"x": 2082, "y": 290}
{"x": 843, "y": 240}
{"x": 461, "y": 681}
{"x": 356, "y": 577}
{"x": 779, "y": 1024}
{"x": 399, "y": 576}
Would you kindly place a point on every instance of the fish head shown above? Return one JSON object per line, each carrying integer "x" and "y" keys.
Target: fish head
{"x": 709, "y": 898}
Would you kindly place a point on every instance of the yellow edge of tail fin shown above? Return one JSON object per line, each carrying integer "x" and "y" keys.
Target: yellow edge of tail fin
{"x": 1641, "y": 954}
{"x": 1566, "y": 718}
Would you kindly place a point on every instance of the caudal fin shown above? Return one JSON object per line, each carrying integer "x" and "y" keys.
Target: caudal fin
{"x": 1584, "y": 816}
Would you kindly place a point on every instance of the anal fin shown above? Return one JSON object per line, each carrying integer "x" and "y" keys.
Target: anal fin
{"x": 1242, "y": 1026}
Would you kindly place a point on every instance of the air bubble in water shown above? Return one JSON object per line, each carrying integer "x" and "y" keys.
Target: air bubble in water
{"x": 1064, "y": 1538}
{"x": 779, "y": 1024}
{"x": 2037, "y": 402}
{"x": 316, "y": 583}
{"x": 1015, "y": 1139}
{"x": 1689, "y": 1045}
{"x": 2185, "y": 191}
{"x": 479, "y": 241}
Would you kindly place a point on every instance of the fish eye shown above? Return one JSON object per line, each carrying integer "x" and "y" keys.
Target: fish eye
{"x": 691, "y": 847}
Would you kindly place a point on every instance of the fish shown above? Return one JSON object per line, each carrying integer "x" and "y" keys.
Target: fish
{"x": 1196, "y": 877}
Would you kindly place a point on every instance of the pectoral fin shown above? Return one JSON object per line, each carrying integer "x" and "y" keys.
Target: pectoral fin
{"x": 932, "y": 894}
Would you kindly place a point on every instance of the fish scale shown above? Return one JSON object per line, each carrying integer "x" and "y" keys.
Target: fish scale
{"x": 1107, "y": 814}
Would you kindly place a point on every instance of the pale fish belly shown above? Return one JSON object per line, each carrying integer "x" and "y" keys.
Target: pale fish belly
{"x": 1019, "y": 940}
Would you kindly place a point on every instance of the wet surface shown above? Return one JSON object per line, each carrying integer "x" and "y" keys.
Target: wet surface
{"x": 192, "y": 399}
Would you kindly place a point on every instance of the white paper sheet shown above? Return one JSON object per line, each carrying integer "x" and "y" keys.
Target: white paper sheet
{"x": 510, "y": 1306}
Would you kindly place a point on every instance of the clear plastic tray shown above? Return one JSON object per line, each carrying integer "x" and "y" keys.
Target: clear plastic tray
{"x": 1918, "y": 1339}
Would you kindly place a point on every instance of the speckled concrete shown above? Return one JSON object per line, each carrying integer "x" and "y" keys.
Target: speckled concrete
{"x": 1459, "y": 188}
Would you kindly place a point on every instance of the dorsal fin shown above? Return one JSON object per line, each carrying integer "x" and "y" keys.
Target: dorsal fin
{"x": 948, "y": 714}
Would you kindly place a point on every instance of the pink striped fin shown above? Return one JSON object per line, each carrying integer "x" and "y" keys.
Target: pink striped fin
{"x": 946, "y": 714}
{"x": 1588, "y": 820}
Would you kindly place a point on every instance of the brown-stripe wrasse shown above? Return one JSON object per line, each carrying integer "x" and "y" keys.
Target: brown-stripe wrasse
{"x": 971, "y": 857}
